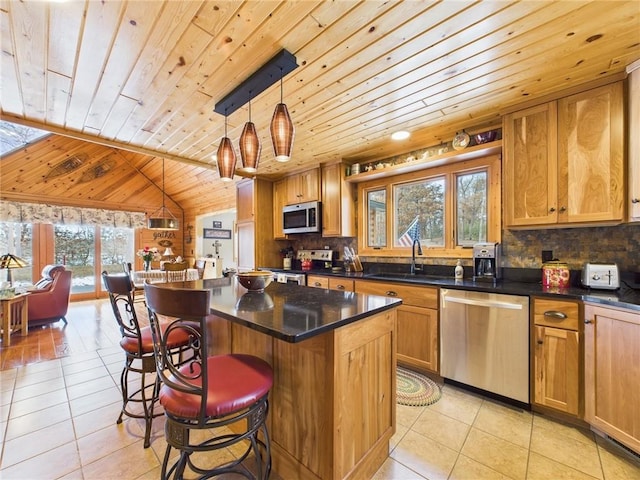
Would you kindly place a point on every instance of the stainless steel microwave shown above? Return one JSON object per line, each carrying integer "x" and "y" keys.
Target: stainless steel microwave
{"x": 301, "y": 218}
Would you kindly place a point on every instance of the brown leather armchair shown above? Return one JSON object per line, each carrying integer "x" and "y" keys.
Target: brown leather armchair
{"x": 49, "y": 299}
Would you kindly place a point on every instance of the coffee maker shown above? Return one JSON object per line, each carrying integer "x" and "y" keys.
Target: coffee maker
{"x": 486, "y": 262}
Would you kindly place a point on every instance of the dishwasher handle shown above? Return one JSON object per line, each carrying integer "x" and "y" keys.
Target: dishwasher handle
{"x": 482, "y": 303}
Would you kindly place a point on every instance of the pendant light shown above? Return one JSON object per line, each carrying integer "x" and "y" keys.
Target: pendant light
{"x": 282, "y": 130}
{"x": 226, "y": 156}
{"x": 162, "y": 219}
{"x": 250, "y": 145}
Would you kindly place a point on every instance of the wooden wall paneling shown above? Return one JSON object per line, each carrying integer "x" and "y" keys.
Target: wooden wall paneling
{"x": 65, "y": 26}
{"x": 100, "y": 24}
{"x": 135, "y": 25}
{"x": 11, "y": 93}
{"x": 29, "y": 22}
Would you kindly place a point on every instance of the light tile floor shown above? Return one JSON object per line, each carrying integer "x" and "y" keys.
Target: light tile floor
{"x": 57, "y": 420}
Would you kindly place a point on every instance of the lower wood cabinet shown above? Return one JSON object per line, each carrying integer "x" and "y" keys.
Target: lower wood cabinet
{"x": 417, "y": 321}
{"x": 612, "y": 372}
{"x": 556, "y": 355}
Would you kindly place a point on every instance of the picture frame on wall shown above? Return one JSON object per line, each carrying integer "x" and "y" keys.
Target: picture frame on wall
{"x": 216, "y": 233}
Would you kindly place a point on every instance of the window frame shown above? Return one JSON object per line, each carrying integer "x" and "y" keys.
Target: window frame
{"x": 491, "y": 164}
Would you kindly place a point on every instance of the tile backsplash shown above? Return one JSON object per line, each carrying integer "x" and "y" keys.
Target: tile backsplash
{"x": 523, "y": 248}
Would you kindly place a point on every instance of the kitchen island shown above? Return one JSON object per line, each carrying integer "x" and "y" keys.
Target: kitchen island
{"x": 333, "y": 402}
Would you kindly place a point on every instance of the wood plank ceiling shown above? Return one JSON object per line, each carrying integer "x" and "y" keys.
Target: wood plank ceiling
{"x": 145, "y": 75}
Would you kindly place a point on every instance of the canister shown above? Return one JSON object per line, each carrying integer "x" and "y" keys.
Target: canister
{"x": 555, "y": 274}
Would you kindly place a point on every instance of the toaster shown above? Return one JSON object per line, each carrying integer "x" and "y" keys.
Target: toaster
{"x": 601, "y": 275}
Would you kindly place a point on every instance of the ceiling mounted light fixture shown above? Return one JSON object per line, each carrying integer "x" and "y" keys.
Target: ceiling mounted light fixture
{"x": 162, "y": 219}
{"x": 282, "y": 130}
{"x": 226, "y": 157}
{"x": 400, "y": 135}
{"x": 250, "y": 145}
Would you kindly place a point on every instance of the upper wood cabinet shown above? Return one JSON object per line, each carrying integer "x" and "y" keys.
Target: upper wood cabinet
{"x": 564, "y": 161}
{"x": 634, "y": 144}
{"x": 279, "y": 201}
{"x": 303, "y": 187}
{"x": 254, "y": 227}
{"x": 338, "y": 203}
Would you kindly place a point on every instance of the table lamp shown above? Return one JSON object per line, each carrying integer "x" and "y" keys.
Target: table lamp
{"x": 10, "y": 262}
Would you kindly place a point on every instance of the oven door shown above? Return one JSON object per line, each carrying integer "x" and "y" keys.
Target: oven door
{"x": 295, "y": 278}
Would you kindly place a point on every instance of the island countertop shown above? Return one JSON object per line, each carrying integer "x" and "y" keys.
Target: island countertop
{"x": 285, "y": 311}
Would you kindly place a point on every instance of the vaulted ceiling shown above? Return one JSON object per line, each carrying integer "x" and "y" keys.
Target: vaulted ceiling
{"x": 145, "y": 75}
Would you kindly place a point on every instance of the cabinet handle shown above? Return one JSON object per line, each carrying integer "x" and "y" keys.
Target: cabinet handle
{"x": 555, "y": 315}
{"x": 317, "y": 284}
{"x": 563, "y": 209}
{"x": 588, "y": 321}
{"x": 552, "y": 209}
{"x": 391, "y": 293}
{"x": 540, "y": 342}
{"x": 635, "y": 200}
{"x": 340, "y": 287}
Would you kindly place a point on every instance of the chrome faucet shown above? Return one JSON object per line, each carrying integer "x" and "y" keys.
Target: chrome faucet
{"x": 416, "y": 241}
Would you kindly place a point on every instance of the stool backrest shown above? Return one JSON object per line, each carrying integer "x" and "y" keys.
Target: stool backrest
{"x": 175, "y": 272}
{"x": 170, "y": 309}
{"x": 120, "y": 289}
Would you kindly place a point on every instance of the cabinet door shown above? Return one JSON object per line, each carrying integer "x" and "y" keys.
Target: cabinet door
{"x": 245, "y": 201}
{"x": 591, "y": 156}
{"x": 530, "y": 163}
{"x": 634, "y": 145}
{"x": 612, "y": 372}
{"x": 279, "y": 201}
{"x": 246, "y": 246}
{"x": 556, "y": 369}
{"x": 303, "y": 187}
{"x": 418, "y": 337}
{"x": 338, "y": 203}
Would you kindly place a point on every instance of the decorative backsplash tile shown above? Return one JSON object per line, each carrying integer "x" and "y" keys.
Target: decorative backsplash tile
{"x": 523, "y": 248}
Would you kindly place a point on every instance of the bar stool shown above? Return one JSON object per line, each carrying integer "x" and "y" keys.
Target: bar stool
{"x": 209, "y": 392}
{"x": 137, "y": 344}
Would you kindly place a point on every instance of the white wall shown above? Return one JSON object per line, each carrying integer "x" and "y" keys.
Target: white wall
{"x": 226, "y": 248}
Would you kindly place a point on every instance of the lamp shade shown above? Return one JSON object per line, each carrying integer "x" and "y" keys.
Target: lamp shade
{"x": 162, "y": 219}
{"x": 168, "y": 252}
{"x": 250, "y": 147}
{"x": 9, "y": 262}
{"x": 226, "y": 160}
{"x": 282, "y": 133}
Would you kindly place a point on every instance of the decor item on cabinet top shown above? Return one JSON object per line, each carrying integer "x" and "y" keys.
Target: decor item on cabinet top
{"x": 485, "y": 137}
{"x": 461, "y": 140}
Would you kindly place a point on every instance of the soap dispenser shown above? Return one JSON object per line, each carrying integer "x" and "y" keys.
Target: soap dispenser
{"x": 459, "y": 271}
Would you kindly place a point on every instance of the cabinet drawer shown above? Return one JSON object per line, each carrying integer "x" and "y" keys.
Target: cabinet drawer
{"x": 342, "y": 284}
{"x": 317, "y": 282}
{"x": 410, "y": 295}
{"x": 556, "y": 313}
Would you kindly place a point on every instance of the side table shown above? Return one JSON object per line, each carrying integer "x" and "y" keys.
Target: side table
{"x": 14, "y": 317}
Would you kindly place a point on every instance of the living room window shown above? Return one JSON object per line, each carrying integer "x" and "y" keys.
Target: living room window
{"x": 446, "y": 208}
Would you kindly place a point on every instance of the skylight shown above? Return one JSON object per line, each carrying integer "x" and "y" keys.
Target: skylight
{"x": 13, "y": 136}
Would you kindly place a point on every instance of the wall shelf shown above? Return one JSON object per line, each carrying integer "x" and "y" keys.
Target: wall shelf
{"x": 470, "y": 153}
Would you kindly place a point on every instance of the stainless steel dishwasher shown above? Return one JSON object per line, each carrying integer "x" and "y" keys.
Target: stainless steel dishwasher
{"x": 484, "y": 341}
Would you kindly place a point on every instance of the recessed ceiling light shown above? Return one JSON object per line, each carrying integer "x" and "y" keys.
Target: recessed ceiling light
{"x": 401, "y": 135}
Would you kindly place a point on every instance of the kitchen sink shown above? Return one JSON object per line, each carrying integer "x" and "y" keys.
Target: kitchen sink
{"x": 406, "y": 277}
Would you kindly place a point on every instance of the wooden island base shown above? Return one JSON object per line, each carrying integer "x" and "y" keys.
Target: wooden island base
{"x": 333, "y": 402}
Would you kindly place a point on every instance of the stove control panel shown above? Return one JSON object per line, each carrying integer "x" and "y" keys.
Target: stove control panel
{"x": 321, "y": 255}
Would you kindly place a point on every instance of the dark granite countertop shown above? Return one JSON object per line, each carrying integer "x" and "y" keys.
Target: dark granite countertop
{"x": 515, "y": 282}
{"x": 288, "y": 312}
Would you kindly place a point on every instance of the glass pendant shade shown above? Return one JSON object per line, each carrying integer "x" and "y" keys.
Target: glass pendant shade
{"x": 250, "y": 147}
{"x": 226, "y": 160}
{"x": 282, "y": 132}
{"x": 162, "y": 219}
